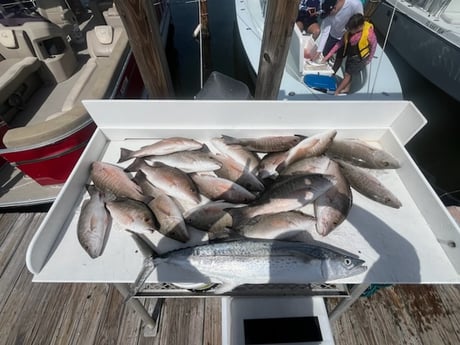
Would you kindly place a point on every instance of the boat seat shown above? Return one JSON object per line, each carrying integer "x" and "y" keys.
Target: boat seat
{"x": 102, "y": 40}
{"x": 112, "y": 17}
{"x": 15, "y": 43}
{"x": 82, "y": 81}
{"x": 97, "y": 67}
{"x": 101, "y": 81}
{"x": 47, "y": 130}
{"x": 13, "y": 73}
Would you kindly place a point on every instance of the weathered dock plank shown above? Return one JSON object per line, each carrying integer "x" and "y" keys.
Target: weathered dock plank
{"x": 38, "y": 313}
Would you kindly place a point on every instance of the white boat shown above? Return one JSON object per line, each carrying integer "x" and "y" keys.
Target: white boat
{"x": 378, "y": 81}
{"x": 49, "y": 62}
{"x": 426, "y": 33}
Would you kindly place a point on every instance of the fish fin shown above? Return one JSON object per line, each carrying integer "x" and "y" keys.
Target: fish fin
{"x": 147, "y": 268}
{"x": 136, "y": 165}
{"x": 144, "y": 247}
{"x": 301, "y": 136}
{"x": 91, "y": 189}
{"x": 237, "y": 215}
{"x": 205, "y": 148}
{"x": 148, "y": 265}
{"x": 225, "y": 287}
{"x": 230, "y": 140}
{"x": 125, "y": 154}
{"x": 146, "y": 199}
{"x": 224, "y": 235}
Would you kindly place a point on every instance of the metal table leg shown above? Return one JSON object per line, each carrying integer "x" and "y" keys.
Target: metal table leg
{"x": 345, "y": 303}
{"x": 134, "y": 303}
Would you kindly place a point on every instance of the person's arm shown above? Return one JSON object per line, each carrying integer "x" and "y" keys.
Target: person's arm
{"x": 334, "y": 49}
{"x": 372, "y": 38}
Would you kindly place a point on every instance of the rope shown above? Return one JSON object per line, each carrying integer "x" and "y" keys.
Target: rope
{"x": 201, "y": 46}
{"x": 385, "y": 44}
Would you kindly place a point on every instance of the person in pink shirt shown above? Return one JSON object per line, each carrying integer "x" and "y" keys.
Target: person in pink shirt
{"x": 359, "y": 44}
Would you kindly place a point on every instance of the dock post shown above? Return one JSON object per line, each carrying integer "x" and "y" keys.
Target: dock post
{"x": 279, "y": 24}
{"x": 143, "y": 31}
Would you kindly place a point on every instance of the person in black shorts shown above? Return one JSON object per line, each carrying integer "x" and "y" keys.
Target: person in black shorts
{"x": 307, "y": 19}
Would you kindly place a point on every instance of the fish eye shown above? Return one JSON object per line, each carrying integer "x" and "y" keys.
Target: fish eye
{"x": 347, "y": 262}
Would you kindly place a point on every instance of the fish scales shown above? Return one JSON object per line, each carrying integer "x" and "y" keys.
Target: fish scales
{"x": 362, "y": 154}
{"x": 368, "y": 185}
{"x": 161, "y": 147}
{"x": 234, "y": 263}
{"x": 265, "y": 144}
{"x": 188, "y": 161}
{"x": 170, "y": 180}
{"x": 93, "y": 224}
{"x": 111, "y": 179}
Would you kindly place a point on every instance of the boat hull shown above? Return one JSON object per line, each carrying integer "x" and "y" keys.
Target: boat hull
{"x": 427, "y": 52}
{"x": 52, "y": 163}
{"x": 378, "y": 81}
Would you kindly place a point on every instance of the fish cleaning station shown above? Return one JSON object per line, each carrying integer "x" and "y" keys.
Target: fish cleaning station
{"x": 252, "y": 222}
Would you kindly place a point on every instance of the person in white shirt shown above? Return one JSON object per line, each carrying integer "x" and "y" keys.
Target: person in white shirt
{"x": 333, "y": 26}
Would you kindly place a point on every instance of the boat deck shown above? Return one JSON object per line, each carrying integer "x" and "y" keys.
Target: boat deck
{"x": 36, "y": 313}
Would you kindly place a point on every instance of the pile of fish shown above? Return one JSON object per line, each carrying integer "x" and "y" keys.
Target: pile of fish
{"x": 240, "y": 188}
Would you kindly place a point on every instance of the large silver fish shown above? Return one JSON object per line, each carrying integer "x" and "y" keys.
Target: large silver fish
{"x": 161, "y": 147}
{"x": 93, "y": 223}
{"x": 360, "y": 153}
{"x": 368, "y": 185}
{"x": 256, "y": 261}
{"x": 265, "y": 144}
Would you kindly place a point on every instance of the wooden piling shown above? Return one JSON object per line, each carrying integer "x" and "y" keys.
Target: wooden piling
{"x": 143, "y": 31}
{"x": 279, "y": 24}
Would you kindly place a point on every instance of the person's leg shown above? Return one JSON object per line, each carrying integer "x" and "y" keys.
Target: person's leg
{"x": 299, "y": 25}
{"x": 314, "y": 30}
{"x": 331, "y": 41}
{"x": 344, "y": 85}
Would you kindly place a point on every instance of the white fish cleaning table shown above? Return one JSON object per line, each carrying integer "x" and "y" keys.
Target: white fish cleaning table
{"x": 417, "y": 243}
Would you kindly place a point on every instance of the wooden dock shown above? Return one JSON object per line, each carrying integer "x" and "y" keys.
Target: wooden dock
{"x": 37, "y": 313}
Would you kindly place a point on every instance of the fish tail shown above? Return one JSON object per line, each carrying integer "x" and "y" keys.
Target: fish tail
{"x": 91, "y": 188}
{"x": 148, "y": 265}
{"x": 136, "y": 165}
{"x": 125, "y": 154}
{"x": 238, "y": 215}
{"x": 230, "y": 140}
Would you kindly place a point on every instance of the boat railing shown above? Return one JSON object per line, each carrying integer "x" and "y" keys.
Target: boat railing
{"x": 433, "y": 7}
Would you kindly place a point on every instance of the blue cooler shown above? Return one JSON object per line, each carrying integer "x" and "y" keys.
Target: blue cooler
{"x": 321, "y": 83}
